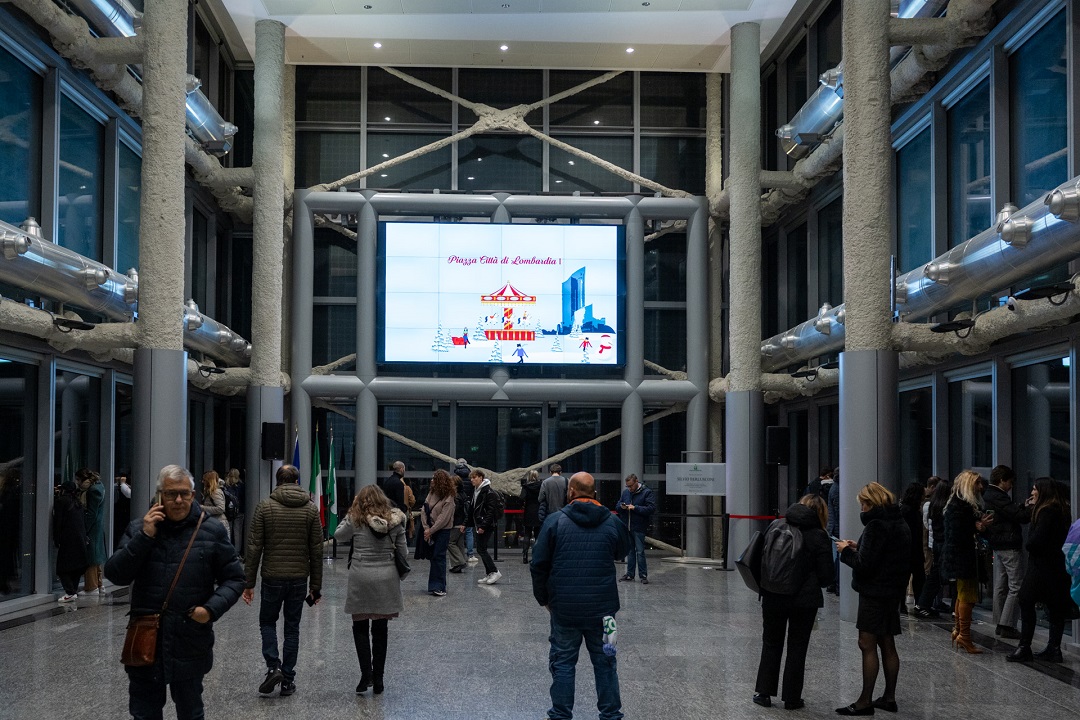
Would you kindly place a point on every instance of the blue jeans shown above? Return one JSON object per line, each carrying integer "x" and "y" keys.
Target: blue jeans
{"x": 470, "y": 544}
{"x": 146, "y": 697}
{"x": 278, "y": 595}
{"x": 562, "y": 661}
{"x": 635, "y": 561}
{"x": 436, "y": 579}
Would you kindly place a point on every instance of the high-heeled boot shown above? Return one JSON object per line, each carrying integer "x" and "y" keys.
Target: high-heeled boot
{"x": 963, "y": 619}
{"x": 378, "y": 654}
{"x": 363, "y": 653}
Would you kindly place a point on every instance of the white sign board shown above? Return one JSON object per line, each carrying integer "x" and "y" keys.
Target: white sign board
{"x": 696, "y": 479}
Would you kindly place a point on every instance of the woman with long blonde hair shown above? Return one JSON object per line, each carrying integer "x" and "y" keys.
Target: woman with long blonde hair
{"x": 964, "y": 519}
{"x": 213, "y": 498}
{"x": 879, "y": 564}
{"x": 376, "y": 530}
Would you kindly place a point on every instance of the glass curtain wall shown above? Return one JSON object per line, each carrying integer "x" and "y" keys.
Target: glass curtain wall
{"x": 914, "y": 203}
{"x": 1041, "y": 424}
{"x": 18, "y": 472}
{"x": 970, "y": 208}
{"x": 971, "y": 425}
{"x": 916, "y": 435}
{"x": 82, "y": 180}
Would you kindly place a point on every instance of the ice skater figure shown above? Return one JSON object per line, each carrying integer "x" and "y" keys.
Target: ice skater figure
{"x": 520, "y": 352}
{"x": 465, "y": 336}
{"x": 585, "y": 344}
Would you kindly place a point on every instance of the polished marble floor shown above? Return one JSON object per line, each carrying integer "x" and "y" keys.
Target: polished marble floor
{"x": 688, "y": 648}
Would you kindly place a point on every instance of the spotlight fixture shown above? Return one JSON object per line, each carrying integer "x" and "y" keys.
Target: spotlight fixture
{"x": 504, "y": 48}
{"x": 646, "y": 4}
{"x": 66, "y": 325}
{"x": 831, "y": 365}
{"x": 629, "y": 50}
{"x": 378, "y": 45}
{"x": 208, "y": 370}
{"x": 1047, "y": 291}
{"x": 595, "y": 122}
{"x": 808, "y": 373}
{"x": 953, "y": 326}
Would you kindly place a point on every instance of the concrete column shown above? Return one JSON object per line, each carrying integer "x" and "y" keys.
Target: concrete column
{"x": 633, "y": 339}
{"x": 303, "y": 269}
{"x": 266, "y": 397}
{"x": 367, "y": 405}
{"x": 714, "y": 179}
{"x": 697, "y": 372}
{"x": 868, "y": 367}
{"x": 160, "y": 364}
{"x": 745, "y": 402}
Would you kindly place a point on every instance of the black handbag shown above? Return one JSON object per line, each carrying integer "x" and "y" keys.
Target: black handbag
{"x": 749, "y": 562}
{"x": 402, "y": 563}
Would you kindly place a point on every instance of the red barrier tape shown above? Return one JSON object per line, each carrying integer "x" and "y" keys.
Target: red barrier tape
{"x": 754, "y": 517}
{"x": 513, "y": 512}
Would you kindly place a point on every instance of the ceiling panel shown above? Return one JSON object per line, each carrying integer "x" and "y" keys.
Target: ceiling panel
{"x": 431, "y": 7}
{"x": 329, "y": 51}
{"x": 361, "y": 7}
{"x": 653, "y": 6}
{"x": 715, "y": 5}
{"x": 293, "y": 8}
{"x": 565, "y": 6}
{"x": 690, "y": 57}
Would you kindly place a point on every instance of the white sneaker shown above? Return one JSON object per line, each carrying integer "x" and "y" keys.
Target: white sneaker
{"x": 484, "y": 580}
{"x": 473, "y": 560}
{"x": 68, "y": 598}
{"x": 494, "y": 577}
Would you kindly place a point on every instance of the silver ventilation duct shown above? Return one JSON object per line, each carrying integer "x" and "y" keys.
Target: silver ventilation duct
{"x": 213, "y": 339}
{"x": 43, "y": 268}
{"x": 820, "y": 115}
{"x": 117, "y": 18}
{"x": 52, "y": 271}
{"x": 1022, "y": 244}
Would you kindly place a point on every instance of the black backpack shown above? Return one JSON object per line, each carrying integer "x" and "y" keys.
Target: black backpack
{"x": 499, "y": 504}
{"x": 231, "y": 510}
{"x": 783, "y": 569}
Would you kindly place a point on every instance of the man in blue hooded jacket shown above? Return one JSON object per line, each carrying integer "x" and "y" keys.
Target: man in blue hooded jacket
{"x": 573, "y": 576}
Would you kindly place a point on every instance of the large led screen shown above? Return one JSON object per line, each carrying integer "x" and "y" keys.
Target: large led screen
{"x": 487, "y": 293}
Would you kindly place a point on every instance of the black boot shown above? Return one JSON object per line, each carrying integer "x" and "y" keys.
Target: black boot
{"x": 1052, "y": 653}
{"x": 1020, "y": 654}
{"x": 378, "y": 654}
{"x": 363, "y": 653}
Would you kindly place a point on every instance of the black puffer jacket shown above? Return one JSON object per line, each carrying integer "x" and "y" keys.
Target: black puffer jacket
{"x": 69, "y": 535}
{"x": 817, "y": 558}
{"x": 1047, "y": 575}
{"x": 530, "y": 494}
{"x": 958, "y": 557}
{"x": 1005, "y": 532}
{"x": 881, "y": 563}
{"x": 213, "y": 577}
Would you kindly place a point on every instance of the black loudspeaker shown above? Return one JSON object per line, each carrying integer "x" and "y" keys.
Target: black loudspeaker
{"x": 273, "y": 441}
{"x": 777, "y": 442}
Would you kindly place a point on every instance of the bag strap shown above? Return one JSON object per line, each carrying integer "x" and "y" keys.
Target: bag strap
{"x": 183, "y": 560}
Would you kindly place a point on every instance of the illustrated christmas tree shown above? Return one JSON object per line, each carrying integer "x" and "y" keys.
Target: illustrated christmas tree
{"x": 440, "y": 344}
{"x": 556, "y": 346}
{"x": 575, "y": 331}
{"x": 496, "y": 353}
{"x": 479, "y": 329}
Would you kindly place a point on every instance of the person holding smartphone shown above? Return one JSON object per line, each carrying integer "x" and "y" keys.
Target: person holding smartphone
{"x": 286, "y": 540}
{"x": 965, "y": 518}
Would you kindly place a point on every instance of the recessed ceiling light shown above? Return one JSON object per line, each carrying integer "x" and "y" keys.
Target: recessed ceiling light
{"x": 571, "y": 162}
{"x": 646, "y": 4}
{"x": 506, "y": 6}
{"x": 558, "y": 181}
{"x": 378, "y": 45}
{"x": 387, "y": 118}
{"x": 383, "y": 175}
{"x": 629, "y": 50}
{"x": 504, "y": 48}
{"x": 479, "y": 159}
{"x": 470, "y": 178}
{"x": 595, "y": 122}
{"x": 367, "y": 7}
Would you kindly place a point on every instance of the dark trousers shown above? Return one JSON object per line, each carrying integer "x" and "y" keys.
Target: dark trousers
{"x": 286, "y": 597}
{"x": 146, "y": 697}
{"x": 436, "y": 579}
{"x": 796, "y": 623}
{"x": 482, "y": 540}
{"x": 1032, "y": 591}
{"x": 932, "y": 586}
{"x": 70, "y": 581}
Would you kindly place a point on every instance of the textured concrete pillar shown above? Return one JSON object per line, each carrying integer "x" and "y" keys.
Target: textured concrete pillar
{"x": 160, "y": 364}
{"x": 868, "y": 367}
{"x": 697, "y": 372}
{"x": 266, "y": 397}
{"x": 714, "y": 179}
{"x": 633, "y": 432}
{"x": 744, "y": 406}
{"x": 268, "y": 203}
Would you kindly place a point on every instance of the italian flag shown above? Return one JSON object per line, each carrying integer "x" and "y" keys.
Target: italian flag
{"x": 316, "y": 487}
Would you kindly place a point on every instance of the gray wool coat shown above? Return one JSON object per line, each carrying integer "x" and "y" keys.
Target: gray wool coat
{"x": 374, "y": 585}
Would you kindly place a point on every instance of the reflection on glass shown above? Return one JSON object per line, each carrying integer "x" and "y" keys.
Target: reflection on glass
{"x": 333, "y": 335}
{"x": 916, "y": 436}
{"x": 914, "y": 194}
{"x": 665, "y": 268}
{"x": 335, "y": 264}
{"x": 675, "y": 100}
{"x": 971, "y": 424}
{"x": 402, "y": 102}
{"x": 18, "y": 400}
{"x": 970, "y": 210}
{"x": 124, "y": 456}
{"x": 608, "y": 104}
{"x": 1038, "y": 80}
{"x": 829, "y": 435}
{"x": 326, "y": 156}
{"x": 665, "y": 337}
{"x": 127, "y": 200}
{"x": 1040, "y": 424}
{"x": 427, "y": 172}
{"x": 831, "y": 253}
{"x": 571, "y": 173}
{"x": 674, "y": 162}
{"x": 81, "y": 180}
{"x": 20, "y": 141}
{"x": 500, "y": 162}
{"x": 797, "y": 311}
{"x": 416, "y": 423}
{"x": 664, "y": 442}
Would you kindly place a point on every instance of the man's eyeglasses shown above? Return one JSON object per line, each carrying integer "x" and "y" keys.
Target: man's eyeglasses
{"x": 176, "y": 494}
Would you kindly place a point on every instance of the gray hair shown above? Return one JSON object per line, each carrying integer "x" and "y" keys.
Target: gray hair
{"x": 399, "y": 466}
{"x": 174, "y": 472}
{"x": 461, "y": 461}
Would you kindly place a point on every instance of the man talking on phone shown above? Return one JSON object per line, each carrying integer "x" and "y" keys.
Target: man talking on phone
{"x": 286, "y": 538}
{"x": 186, "y": 570}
